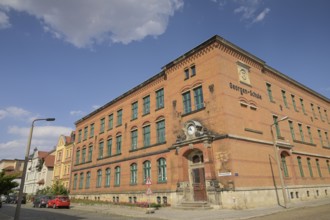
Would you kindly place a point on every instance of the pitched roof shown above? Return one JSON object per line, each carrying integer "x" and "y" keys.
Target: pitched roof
{"x": 49, "y": 161}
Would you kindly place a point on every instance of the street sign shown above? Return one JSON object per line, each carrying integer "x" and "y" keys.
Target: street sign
{"x": 148, "y": 181}
{"x": 149, "y": 192}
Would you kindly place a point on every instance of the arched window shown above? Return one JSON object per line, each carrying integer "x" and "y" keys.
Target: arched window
{"x": 75, "y": 178}
{"x": 162, "y": 177}
{"x": 81, "y": 180}
{"x": 133, "y": 168}
{"x": 318, "y": 167}
{"x": 284, "y": 165}
{"x": 88, "y": 180}
{"x": 77, "y": 156}
{"x": 300, "y": 167}
{"x": 101, "y": 147}
{"x": 310, "y": 167}
{"x": 146, "y": 170}
{"x": 99, "y": 178}
{"x": 107, "y": 177}
{"x": 117, "y": 176}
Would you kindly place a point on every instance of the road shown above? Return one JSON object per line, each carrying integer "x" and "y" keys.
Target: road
{"x": 29, "y": 213}
{"x": 305, "y": 213}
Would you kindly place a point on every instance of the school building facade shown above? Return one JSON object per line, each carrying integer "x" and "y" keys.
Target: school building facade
{"x": 216, "y": 125}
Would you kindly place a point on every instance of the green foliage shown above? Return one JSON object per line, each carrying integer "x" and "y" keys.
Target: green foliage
{"x": 7, "y": 183}
{"x": 56, "y": 189}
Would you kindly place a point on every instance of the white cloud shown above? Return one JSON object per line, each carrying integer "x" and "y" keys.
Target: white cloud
{"x": 4, "y": 21}
{"x": 77, "y": 113}
{"x": 87, "y": 22}
{"x": 250, "y": 10}
{"x": 14, "y": 112}
{"x": 262, "y": 15}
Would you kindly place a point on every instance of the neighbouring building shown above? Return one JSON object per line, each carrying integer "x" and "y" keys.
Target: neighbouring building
{"x": 200, "y": 131}
{"x": 63, "y": 155}
{"x": 13, "y": 167}
{"x": 39, "y": 172}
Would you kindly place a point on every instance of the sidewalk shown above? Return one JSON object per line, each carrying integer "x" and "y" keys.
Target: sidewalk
{"x": 177, "y": 214}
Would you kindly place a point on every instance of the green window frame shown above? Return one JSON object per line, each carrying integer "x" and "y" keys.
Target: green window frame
{"x": 318, "y": 167}
{"x": 160, "y": 99}
{"x": 327, "y": 138}
{"x": 102, "y": 121}
{"x": 146, "y": 136}
{"x": 186, "y": 73}
{"x": 75, "y": 179}
{"x": 119, "y": 117}
{"x": 117, "y": 176}
{"x": 146, "y": 170}
{"x": 294, "y": 102}
{"x": 328, "y": 165}
{"x": 91, "y": 132}
{"x": 321, "y": 116}
{"x": 78, "y": 156}
{"x": 79, "y": 135}
{"x": 83, "y": 155}
{"x": 301, "y": 132}
{"x": 134, "y": 139}
{"x": 160, "y": 131}
{"x": 277, "y": 127}
{"x": 320, "y": 136}
{"x": 193, "y": 70}
{"x": 162, "y": 175}
{"x": 269, "y": 92}
{"x": 109, "y": 147}
{"x": 312, "y": 107}
{"x": 133, "y": 168}
{"x": 118, "y": 144}
{"x": 99, "y": 178}
{"x": 326, "y": 115}
{"x": 284, "y": 99}
{"x": 85, "y": 132}
{"x": 88, "y": 180}
{"x": 90, "y": 153}
{"x": 134, "y": 110}
{"x": 284, "y": 166}
{"x": 300, "y": 167}
{"x": 146, "y": 105}
{"x": 302, "y": 105}
{"x": 110, "y": 122}
{"x": 198, "y": 96}
{"x": 292, "y": 130}
{"x": 310, "y": 167}
{"x": 81, "y": 180}
{"x": 101, "y": 148}
{"x": 310, "y": 134}
{"x": 186, "y": 102}
{"x": 107, "y": 177}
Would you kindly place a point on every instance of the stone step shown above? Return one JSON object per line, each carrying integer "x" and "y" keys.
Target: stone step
{"x": 194, "y": 205}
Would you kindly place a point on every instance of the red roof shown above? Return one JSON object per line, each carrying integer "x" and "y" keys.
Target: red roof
{"x": 49, "y": 161}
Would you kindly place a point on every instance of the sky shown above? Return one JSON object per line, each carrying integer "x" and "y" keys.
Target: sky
{"x": 66, "y": 58}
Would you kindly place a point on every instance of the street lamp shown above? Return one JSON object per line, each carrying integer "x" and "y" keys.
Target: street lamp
{"x": 278, "y": 160}
{"x": 20, "y": 194}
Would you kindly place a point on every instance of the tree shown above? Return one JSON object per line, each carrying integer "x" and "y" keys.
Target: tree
{"x": 56, "y": 189}
{"x": 7, "y": 183}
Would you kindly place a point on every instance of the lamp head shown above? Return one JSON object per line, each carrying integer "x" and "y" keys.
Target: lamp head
{"x": 50, "y": 119}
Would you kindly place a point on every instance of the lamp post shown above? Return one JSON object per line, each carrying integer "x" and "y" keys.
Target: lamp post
{"x": 20, "y": 194}
{"x": 278, "y": 160}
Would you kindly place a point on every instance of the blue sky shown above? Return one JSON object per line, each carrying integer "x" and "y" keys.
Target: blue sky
{"x": 64, "y": 58}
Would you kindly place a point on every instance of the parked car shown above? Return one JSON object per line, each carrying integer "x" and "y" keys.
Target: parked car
{"x": 23, "y": 199}
{"x": 11, "y": 199}
{"x": 59, "y": 201}
{"x": 41, "y": 201}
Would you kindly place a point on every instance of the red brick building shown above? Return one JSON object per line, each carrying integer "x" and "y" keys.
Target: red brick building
{"x": 200, "y": 130}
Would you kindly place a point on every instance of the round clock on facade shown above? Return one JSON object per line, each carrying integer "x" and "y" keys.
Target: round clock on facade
{"x": 191, "y": 129}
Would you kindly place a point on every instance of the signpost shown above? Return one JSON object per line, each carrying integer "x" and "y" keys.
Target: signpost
{"x": 148, "y": 192}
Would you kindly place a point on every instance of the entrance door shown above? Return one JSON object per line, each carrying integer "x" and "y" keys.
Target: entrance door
{"x": 198, "y": 176}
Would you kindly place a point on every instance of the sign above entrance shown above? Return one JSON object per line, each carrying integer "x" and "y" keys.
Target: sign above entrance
{"x": 225, "y": 174}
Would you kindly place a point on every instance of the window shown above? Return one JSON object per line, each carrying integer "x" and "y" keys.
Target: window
{"x": 107, "y": 177}
{"x": 99, "y": 178}
{"x": 320, "y": 137}
{"x": 81, "y": 180}
{"x": 117, "y": 176}
{"x": 326, "y": 115}
{"x": 186, "y": 73}
{"x": 198, "y": 95}
{"x": 186, "y": 102}
{"x": 110, "y": 121}
{"x": 83, "y": 155}
{"x": 300, "y": 167}
{"x": 119, "y": 117}
{"x": 85, "y": 133}
{"x": 277, "y": 127}
{"x": 292, "y": 130}
{"x": 161, "y": 170}
{"x": 146, "y": 105}
{"x": 319, "y": 109}
{"x": 160, "y": 99}
{"x": 90, "y": 153}
{"x": 77, "y": 156}
{"x": 146, "y": 136}
{"x": 133, "y": 173}
{"x": 327, "y": 138}
{"x": 161, "y": 131}
{"x": 318, "y": 167}
{"x": 269, "y": 91}
{"x": 75, "y": 178}
{"x": 146, "y": 170}
{"x": 102, "y": 125}
{"x": 310, "y": 167}
{"x": 88, "y": 180}
{"x": 328, "y": 165}
{"x": 134, "y": 110}
{"x": 109, "y": 147}
{"x": 193, "y": 70}
{"x": 310, "y": 135}
{"x": 101, "y": 147}
{"x": 79, "y": 136}
{"x": 294, "y": 103}
{"x": 91, "y": 132}
{"x": 118, "y": 144}
{"x": 301, "y": 132}
{"x": 302, "y": 105}
{"x": 284, "y": 99}
{"x": 284, "y": 166}
{"x": 134, "y": 138}
{"x": 312, "y": 107}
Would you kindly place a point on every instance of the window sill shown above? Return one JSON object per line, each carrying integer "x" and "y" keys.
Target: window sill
{"x": 303, "y": 142}
{"x": 150, "y": 146}
{"x": 192, "y": 112}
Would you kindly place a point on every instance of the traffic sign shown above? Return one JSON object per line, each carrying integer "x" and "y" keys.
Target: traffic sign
{"x": 149, "y": 192}
{"x": 148, "y": 181}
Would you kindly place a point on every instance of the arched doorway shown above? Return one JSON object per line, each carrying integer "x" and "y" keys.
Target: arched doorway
{"x": 197, "y": 175}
